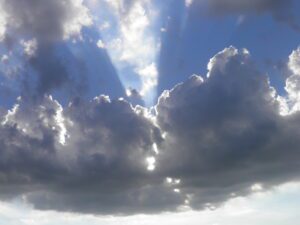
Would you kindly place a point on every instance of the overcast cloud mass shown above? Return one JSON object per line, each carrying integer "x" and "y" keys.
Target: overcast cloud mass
{"x": 118, "y": 107}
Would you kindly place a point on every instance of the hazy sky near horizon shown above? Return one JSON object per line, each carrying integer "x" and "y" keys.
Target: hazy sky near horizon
{"x": 148, "y": 111}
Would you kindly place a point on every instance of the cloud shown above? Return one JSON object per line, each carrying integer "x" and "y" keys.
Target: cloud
{"x": 292, "y": 84}
{"x": 244, "y": 5}
{"x": 130, "y": 39}
{"x": 2, "y": 24}
{"x": 89, "y": 157}
{"x": 30, "y": 47}
{"x": 47, "y": 70}
{"x": 281, "y": 10}
{"x": 45, "y": 20}
{"x": 38, "y": 28}
{"x": 210, "y": 139}
{"x": 225, "y": 135}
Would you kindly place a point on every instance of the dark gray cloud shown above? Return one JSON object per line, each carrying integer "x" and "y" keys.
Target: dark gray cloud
{"x": 216, "y": 136}
{"x": 39, "y": 27}
{"x": 224, "y": 133}
{"x": 281, "y": 10}
{"x": 89, "y": 157}
{"x": 135, "y": 98}
{"x": 248, "y": 6}
{"x": 53, "y": 67}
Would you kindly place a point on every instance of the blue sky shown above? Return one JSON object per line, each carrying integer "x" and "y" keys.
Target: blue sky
{"x": 122, "y": 111}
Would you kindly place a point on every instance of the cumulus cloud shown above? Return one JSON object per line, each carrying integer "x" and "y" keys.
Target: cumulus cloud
{"x": 45, "y": 20}
{"x": 292, "y": 85}
{"x": 224, "y": 133}
{"x": 38, "y": 27}
{"x": 87, "y": 157}
{"x": 210, "y": 139}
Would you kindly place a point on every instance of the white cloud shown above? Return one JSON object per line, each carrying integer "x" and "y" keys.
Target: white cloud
{"x": 134, "y": 43}
{"x": 294, "y": 61}
{"x": 291, "y": 103}
{"x": 149, "y": 76}
{"x": 2, "y": 23}
{"x": 4, "y": 58}
{"x": 188, "y": 3}
{"x": 256, "y": 187}
{"x": 44, "y": 20}
{"x": 30, "y": 47}
{"x": 105, "y": 25}
{"x": 100, "y": 44}
{"x": 79, "y": 19}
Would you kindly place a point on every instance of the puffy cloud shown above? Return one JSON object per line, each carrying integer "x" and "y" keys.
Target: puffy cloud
{"x": 224, "y": 133}
{"x": 294, "y": 61}
{"x": 38, "y": 27}
{"x": 100, "y": 44}
{"x": 88, "y": 157}
{"x": 30, "y": 47}
{"x": 211, "y": 138}
{"x": 292, "y": 86}
{"x": 2, "y": 24}
{"x": 45, "y": 20}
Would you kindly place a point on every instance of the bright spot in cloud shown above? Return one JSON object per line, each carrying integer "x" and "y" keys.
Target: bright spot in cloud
{"x": 169, "y": 180}
{"x": 173, "y": 181}
{"x": 188, "y": 3}
{"x": 30, "y": 47}
{"x": 149, "y": 78}
{"x": 100, "y": 44}
{"x": 257, "y": 187}
{"x": 105, "y": 25}
{"x": 150, "y": 163}
{"x": 4, "y": 59}
{"x": 176, "y": 190}
{"x": 155, "y": 149}
{"x": 2, "y": 25}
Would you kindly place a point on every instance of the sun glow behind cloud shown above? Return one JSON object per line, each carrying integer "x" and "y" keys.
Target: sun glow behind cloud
{"x": 130, "y": 36}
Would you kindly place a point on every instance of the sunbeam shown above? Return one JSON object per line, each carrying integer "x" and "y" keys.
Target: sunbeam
{"x": 130, "y": 36}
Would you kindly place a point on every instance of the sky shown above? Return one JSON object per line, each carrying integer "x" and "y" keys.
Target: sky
{"x": 147, "y": 111}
